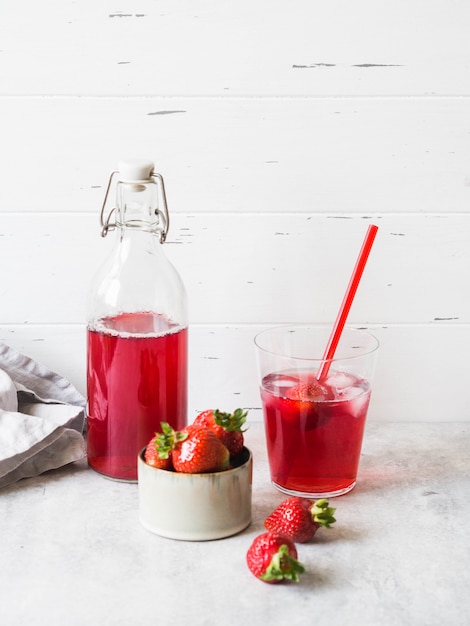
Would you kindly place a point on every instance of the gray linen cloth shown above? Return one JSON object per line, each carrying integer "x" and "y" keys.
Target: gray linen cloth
{"x": 42, "y": 418}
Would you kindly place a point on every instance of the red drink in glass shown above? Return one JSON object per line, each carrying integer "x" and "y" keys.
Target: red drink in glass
{"x": 314, "y": 430}
{"x": 137, "y": 378}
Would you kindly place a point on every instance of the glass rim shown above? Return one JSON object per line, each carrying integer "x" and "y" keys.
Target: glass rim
{"x": 325, "y": 327}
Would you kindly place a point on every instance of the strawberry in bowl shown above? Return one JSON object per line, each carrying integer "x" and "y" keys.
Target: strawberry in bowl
{"x": 190, "y": 486}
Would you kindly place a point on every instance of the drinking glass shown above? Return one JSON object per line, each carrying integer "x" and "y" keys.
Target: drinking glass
{"x": 314, "y": 427}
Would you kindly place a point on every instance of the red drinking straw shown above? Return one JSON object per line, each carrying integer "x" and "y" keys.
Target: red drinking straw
{"x": 347, "y": 302}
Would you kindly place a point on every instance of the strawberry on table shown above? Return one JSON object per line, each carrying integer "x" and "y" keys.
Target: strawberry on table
{"x": 227, "y": 427}
{"x": 300, "y": 518}
{"x": 273, "y": 558}
{"x": 195, "y": 449}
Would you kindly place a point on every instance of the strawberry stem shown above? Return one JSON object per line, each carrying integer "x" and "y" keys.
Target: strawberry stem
{"x": 167, "y": 439}
{"x": 283, "y": 566}
{"x": 322, "y": 513}
{"x": 231, "y": 422}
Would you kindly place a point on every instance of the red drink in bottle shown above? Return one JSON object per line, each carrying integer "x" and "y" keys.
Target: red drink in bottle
{"x": 314, "y": 430}
{"x": 137, "y": 327}
{"x": 137, "y": 378}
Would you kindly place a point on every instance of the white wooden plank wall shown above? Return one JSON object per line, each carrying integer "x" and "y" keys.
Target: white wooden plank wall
{"x": 282, "y": 131}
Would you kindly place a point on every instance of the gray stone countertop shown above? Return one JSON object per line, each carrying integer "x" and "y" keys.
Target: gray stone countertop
{"x": 73, "y": 552}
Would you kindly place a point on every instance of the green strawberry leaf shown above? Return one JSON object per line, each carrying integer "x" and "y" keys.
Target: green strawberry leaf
{"x": 283, "y": 566}
{"x": 167, "y": 439}
{"x": 322, "y": 513}
{"x": 231, "y": 421}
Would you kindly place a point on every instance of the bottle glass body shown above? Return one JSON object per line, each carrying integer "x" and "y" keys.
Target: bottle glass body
{"x": 136, "y": 340}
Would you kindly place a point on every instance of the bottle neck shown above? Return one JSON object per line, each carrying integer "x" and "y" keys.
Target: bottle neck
{"x": 137, "y": 208}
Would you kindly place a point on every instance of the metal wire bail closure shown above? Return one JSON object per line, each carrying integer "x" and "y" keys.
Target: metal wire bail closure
{"x": 107, "y": 224}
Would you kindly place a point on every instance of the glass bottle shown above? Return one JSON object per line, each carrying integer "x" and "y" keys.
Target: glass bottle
{"x": 137, "y": 329}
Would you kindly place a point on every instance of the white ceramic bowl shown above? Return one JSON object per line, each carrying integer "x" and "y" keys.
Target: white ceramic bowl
{"x": 195, "y": 507}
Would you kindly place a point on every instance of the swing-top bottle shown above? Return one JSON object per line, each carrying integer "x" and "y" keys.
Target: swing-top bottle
{"x": 137, "y": 328}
